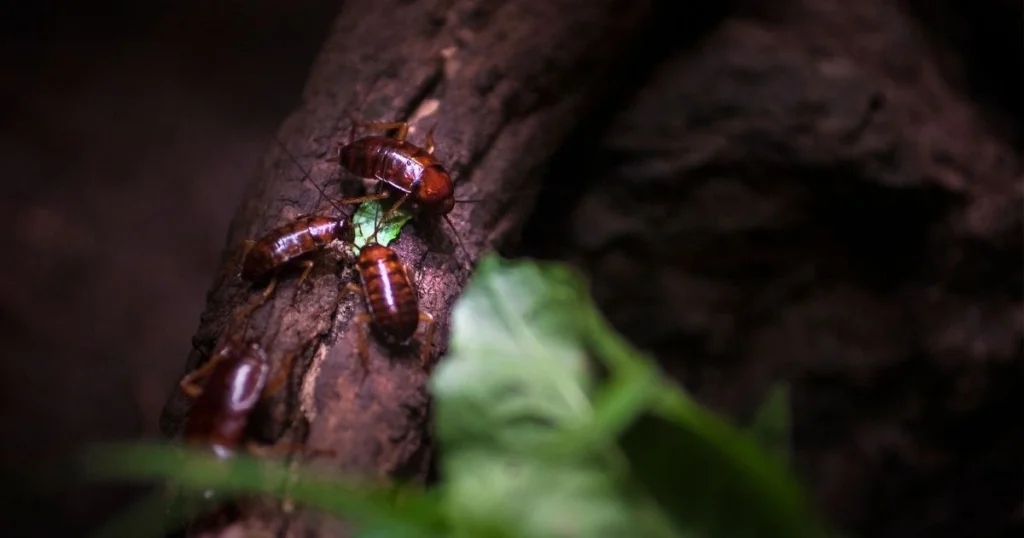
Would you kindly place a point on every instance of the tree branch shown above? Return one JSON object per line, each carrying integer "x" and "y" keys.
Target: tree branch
{"x": 511, "y": 78}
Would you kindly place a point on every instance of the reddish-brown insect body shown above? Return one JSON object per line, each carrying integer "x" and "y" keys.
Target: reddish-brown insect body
{"x": 224, "y": 392}
{"x": 391, "y": 297}
{"x": 294, "y": 240}
{"x": 235, "y": 379}
{"x": 403, "y": 166}
{"x": 297, "y": 239}
{"x": 392, "y": 301}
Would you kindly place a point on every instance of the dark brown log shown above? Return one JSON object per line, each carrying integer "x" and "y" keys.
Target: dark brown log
{"x": 510, "y": 79}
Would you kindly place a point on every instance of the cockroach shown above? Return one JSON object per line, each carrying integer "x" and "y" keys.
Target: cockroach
{"x": 294, "y": 242}
{"x": 291, "y": 243}
{"x": 388, "y": 287}
{"x": 403, "y": 167}
{"x": 224, "y": 392}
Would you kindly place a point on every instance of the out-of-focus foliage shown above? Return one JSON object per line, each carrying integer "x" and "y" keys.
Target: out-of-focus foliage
{"x": 550, "y": 425}
{"x": 771, "y": 425}
{"x": 514, "y": 404}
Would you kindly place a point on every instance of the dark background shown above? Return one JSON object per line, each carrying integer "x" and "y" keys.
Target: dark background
{"x": 132, "y": 129}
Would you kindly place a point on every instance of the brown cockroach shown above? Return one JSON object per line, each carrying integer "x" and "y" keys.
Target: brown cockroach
{"x": 388, "y": 287}
{"x": 404, "y": 167}
{"x": 224, "y": 392}
{"x": 291, "y": 243}
{"x": 414, "y": 173}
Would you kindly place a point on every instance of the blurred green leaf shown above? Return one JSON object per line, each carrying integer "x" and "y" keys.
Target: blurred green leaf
{"x": 710, "y": 477}
{"x": 771, "y": 425}
{"x": 194, "y": 471}
{"x": 523, "y": 456}
{"x": 496, "y": 495}
{"x": 150, "y": 517}
{"x": 515, "y": 375}
{"x": 366, "y": 219}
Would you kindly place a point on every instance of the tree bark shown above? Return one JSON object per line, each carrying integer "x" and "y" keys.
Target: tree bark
{"x": 510, "y": 78}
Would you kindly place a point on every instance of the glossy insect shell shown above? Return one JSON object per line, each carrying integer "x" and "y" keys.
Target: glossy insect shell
{"x": 405, "y": 167}
{"x": 390, "y": 294}
{"x": 293, "y": 240}
{"x": 219, "y": 414}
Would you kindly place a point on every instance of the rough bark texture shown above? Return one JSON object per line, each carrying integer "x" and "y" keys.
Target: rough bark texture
{"x": 830, "y": 193}
{"x": 510, "y": 78}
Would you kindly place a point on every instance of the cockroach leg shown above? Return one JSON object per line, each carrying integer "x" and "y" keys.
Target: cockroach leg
{"x": 254, "y": 304}
{"x": 271, "y": 286}
{"x": 192, "y": 390}
{"x": 308, "y": 264}
{"x": 265, "y": 451}
{"x": 285, "y": 449}
{"x": 393, "y": 208}
{"x": 280, "y": 377}
{"x": 353, "y": 125}
{"x": 349, "y": 289}
{"x": 410, "y": 274}
{"x": 258, "y": 450}
{"x": 352, "y": 287}
{"x": 308, "y": 267}
{"x": 246, "y": 247}
{"x": 403, "y": 128}
{"x": 428, "y": 336}
{"x": 363, "y": 321}
{"x": 350, "y": 201}
{"x": 430, "y": 140}
{"x": 190, "y": 383}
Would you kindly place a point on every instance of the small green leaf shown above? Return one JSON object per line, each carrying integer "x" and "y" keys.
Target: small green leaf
{"x": 771, "y": 425}
{"x": 365, "y": 223}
